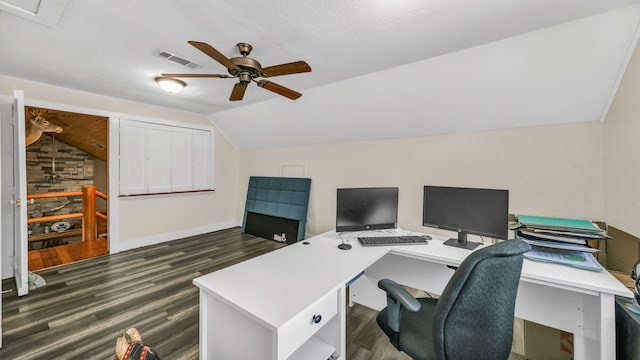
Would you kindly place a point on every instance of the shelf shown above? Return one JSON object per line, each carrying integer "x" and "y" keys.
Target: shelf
{"x": 314, "y": 348}
{"x": 55, "y": 235}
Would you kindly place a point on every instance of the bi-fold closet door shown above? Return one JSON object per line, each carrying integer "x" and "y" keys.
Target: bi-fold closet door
{"x": 159, "y": 158}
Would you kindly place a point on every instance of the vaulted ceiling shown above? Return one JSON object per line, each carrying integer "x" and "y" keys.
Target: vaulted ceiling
{"x": 380, "y": 68}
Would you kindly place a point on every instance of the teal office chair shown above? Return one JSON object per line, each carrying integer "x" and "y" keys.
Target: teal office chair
{"x": 473, "y": 319}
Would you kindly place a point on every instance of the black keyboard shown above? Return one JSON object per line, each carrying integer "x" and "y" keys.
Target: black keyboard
{"x": 394, "y": 240}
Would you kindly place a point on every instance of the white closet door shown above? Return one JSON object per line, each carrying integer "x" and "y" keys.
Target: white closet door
{"x": 159, "y": 149}
{"x": 202, "y": 160}
{"x": 181, "y": 177}
{"x": 133, "y": 155}
{"x": 158, "y": 158}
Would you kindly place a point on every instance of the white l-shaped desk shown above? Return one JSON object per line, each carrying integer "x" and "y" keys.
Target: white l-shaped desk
{"x": 290, "y": 303}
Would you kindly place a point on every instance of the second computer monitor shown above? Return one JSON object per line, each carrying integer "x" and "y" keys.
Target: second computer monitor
{"x": 483, "y": 212}
{"x": 366, "y": 208}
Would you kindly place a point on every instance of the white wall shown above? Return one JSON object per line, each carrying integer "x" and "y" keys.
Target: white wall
{"x": 621, "y": 150}
{"x": 144, "y": 220}
{"x": 553, "y": 170}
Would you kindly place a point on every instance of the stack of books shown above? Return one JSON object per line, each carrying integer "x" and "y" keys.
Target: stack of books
{"x": 559, "y": 240}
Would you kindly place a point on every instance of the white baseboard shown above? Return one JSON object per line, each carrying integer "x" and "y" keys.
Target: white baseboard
{"x": 158, "y": 239}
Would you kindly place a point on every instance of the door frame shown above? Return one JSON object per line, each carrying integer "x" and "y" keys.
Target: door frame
{"x": 113, "y": 205}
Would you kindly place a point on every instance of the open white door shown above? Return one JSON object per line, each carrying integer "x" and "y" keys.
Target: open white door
{"x": 20, "y": 261}
{"x": 2, "y": 118}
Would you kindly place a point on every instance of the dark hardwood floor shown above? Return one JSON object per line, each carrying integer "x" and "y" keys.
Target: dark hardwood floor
{"x": 86, "y": 305}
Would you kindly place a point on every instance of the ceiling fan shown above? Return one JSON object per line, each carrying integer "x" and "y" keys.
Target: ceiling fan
{"x": 247, "y": 70}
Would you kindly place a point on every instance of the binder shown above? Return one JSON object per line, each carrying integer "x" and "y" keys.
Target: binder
{"x": 573, "y": 258}
{"x": 542, "y": 236}
{"x": 557, "y": 223}
{"x": 558, "y": 245}
{"x": 569, "y": 233}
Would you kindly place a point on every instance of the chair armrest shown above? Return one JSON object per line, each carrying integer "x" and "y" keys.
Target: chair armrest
{"x": 397, "y": 297}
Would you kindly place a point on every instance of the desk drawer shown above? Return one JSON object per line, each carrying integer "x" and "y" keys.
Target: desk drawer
{"x": 299, "y": 329}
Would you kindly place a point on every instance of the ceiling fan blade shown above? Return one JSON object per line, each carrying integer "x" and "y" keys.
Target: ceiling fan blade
{"x": 214, "y": 54}
{"x": 238, "y": 91}
{"x": 196, "y": 75}
{"x": 279, "y": 89}
{"x": 286, "y": 69}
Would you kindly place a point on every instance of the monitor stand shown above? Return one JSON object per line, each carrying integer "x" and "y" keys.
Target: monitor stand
{"x": 461, "y": 242}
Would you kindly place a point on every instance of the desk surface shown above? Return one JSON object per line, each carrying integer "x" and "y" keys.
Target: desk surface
{"x": 292, "y": 277}
{"x": 296, "y": 276}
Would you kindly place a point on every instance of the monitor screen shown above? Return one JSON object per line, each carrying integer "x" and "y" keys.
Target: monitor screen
{"x": 366, "y": 209}
{"x": 483, "y": 212}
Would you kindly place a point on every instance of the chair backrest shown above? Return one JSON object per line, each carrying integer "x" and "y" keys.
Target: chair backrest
{"x": 474, "y": 316}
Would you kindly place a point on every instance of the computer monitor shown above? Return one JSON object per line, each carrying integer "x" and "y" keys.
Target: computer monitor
{"x": 483, "y": 212}
{"x": 366, "y": 209}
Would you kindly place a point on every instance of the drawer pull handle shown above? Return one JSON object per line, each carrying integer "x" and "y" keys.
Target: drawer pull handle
{"x": 316, "y": 318}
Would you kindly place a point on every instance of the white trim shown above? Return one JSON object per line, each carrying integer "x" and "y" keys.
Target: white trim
{"x": 623, "y": 69}
{"x": 160, "y": 238}
{"x": 113, "y": 204}
{"x": 113, "y": 170}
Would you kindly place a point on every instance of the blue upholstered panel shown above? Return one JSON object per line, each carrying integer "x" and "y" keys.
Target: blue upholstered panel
{"x": 282, "y": 197}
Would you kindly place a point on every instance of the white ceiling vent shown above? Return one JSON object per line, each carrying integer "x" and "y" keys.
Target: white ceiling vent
{"x": 176, "y": 59}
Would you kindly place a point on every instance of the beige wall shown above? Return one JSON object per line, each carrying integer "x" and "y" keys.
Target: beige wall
{"x": 621, "y": 151}
{"x": 551, "y": 170}
{"x": 144, "y": 217}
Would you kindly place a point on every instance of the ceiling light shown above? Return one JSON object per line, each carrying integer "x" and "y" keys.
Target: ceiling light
{"x": 170, "y": 85}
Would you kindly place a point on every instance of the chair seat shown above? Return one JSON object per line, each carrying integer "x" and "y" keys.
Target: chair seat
{"x": 416, "y": 327}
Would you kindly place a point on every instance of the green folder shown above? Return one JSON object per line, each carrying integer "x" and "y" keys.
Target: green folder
{"x": 557, "y": 223}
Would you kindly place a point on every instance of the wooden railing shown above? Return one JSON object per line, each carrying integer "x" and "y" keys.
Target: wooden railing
{"x": 88, "y": 214}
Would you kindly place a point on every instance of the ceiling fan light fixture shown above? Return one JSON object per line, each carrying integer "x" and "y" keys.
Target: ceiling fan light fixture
{"x": 170, "y": 85}
{"x": 247, "y": 70}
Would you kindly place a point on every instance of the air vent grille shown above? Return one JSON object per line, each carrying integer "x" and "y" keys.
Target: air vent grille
{"x": 176, "y": 59}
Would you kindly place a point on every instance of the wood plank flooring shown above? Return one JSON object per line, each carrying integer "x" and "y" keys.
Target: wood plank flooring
{"x": 65, "y": 254}
{"x": 86, "y": 305}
